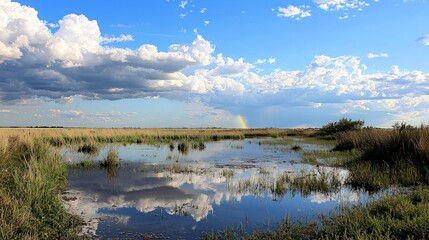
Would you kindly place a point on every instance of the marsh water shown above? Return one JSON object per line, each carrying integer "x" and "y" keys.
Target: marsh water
{"x": 162, "y": 193}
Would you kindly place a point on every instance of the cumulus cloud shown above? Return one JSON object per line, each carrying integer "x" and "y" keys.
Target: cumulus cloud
{"x": 73, "y": 61}
{"x": 294, "y": 12}
{"x": 76, "y": 61}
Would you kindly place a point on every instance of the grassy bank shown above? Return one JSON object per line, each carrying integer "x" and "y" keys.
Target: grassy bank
{"x": 404, "y": 216}
{"x": 398, "y": 156}
{"x": 31, "y": 178}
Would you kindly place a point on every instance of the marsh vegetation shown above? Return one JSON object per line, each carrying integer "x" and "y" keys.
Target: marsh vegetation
{"x": 344, "y": 155}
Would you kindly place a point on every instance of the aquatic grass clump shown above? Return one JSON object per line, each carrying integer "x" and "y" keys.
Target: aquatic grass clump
{"x": 228, "y": 173}
{"x": 89, "y": 148}
{"x": 304, "y": 182}
{"x": 323, "y": 181}
{"x": 111, "y": 160}
{"x": 198, "y": 145}
{"x": 296, "y": 147}
{"x": 183, "y": 147}
{"x": 178, "y": 168}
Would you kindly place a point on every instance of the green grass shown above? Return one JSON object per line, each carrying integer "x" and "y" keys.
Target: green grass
{"x": 228, "y": 173}
{"x": 303, "y": 182}
{"x": 297, "y": 141}
{"x": 31, "y": 178}
{"x": 111, "y": 160}
{"x": 178, "y": 168}
{"x": 388, "y": 157}
{"x": 329, "y": 158}
{"x": 91, "y": 148}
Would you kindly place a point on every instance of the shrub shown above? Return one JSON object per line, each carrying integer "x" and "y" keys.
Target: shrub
{"x": 343, "y": 125}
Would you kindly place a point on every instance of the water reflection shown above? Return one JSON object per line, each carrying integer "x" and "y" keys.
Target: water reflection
{"x": 183, "y": 198}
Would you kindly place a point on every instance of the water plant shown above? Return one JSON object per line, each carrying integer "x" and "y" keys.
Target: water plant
{"x": 111, "y": 160}
{"x": 228, "y": 173}
{"x": 89, "y": 148}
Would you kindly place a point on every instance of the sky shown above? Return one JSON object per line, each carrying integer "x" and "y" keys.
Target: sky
{"x": 211, "y": 63}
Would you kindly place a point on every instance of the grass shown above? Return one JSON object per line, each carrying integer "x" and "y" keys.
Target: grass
{"x": 228, "y": 173}
{"x": 31, "y": 178}
{"x": 91, "y": 148}
{"x": 388, "y": 157}
{"x": 178, "y": 168}
{"x": 404, "y": 216}
{"x": 303, "y": 182}
{"x": 297, "y": 141}
{"x": 111, "y": 160}
{"x": 329, "y": 158}
{"x": 32, "y": 175}
{"x": 306, "y": 183}
{"x": 71, "y": 136}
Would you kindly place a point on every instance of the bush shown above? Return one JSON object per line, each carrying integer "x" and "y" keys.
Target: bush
{"x": 343, "y": 125}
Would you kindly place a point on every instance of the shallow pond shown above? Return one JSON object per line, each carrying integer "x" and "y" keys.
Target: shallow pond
{"x": 158, "y": 192}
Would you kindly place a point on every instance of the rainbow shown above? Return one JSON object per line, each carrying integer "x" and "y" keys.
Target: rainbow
{"x": 242, "y": 121}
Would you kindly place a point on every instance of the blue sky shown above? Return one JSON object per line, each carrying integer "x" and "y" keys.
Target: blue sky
{"x": 203, "y": 63}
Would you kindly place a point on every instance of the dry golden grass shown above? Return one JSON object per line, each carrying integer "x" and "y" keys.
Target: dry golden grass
{"x": 60, "y": 136}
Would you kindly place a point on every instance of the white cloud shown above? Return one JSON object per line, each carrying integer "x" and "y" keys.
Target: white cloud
{"x": 203, "y": 10}
{"x": 121, "y": 38}
{"x": 65, "y": 100}
{"x": 183, "y": 4}
{"x": 375, "y": 55}
{"x": 91, "y": 116}
{"x": 206, "y": 22}
{"x": 336, "y": 5}
{"x": 270, "y": 60}
{"x": 424, "y": 40}
{"x": 261, "y": 61}
{"x": 74, "y": 61}
{"x": 53, "y": 25}
{"x": 294, "y": 12}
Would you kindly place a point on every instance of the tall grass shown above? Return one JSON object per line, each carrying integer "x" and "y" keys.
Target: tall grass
{"x": 67, "y": 136}
{"x": 391, "y": 156}
{"x": 31, "y": 178}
